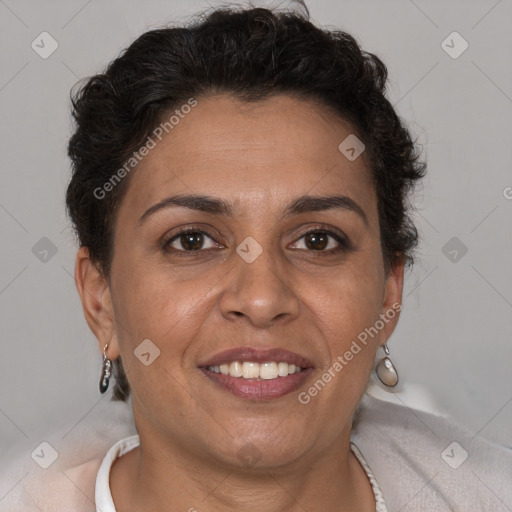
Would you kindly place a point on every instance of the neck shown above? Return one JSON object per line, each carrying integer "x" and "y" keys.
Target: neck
{"x": 153, "y": 478}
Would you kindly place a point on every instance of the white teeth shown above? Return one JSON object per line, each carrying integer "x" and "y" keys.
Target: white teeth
{"x": 235, "y": 369}
{"x": 268, "y": 371}
{"x": 282, "y": 369}
{"x": 249, "y": 370}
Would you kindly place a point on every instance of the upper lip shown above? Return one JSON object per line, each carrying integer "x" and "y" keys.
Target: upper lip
{"x": 257, "y": 355}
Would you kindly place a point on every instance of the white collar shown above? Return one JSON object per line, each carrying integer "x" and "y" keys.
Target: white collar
{"x": 102, "y": 494}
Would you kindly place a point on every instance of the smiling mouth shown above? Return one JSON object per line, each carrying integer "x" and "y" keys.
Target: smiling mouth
{"x": 257, "y": 381}
{"x": 256, "y": 371}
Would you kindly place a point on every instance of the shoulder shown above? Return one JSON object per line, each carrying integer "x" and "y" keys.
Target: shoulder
{"x": 68, "y": 482}
{"x": 426, "y": 462}
{"x": 71, "y": 489}
{"x": 74, "y": 488}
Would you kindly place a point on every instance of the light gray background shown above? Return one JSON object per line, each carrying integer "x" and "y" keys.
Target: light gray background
{"x": 453, "y": 344}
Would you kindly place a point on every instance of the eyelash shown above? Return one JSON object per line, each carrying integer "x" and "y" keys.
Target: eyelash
{"x": 343, "y": 243}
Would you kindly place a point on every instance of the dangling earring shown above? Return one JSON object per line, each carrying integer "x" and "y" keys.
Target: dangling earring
{"x": 105, "y": 372}
{"x": 386, "y": 371}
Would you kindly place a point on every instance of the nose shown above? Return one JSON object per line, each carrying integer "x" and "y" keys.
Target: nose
{"x": 259, "y": 292}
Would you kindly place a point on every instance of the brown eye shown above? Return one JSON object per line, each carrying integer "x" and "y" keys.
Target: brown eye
{"x": 189, "y": 240}
{"x": 317, "y": 241}
{"x": 321, "y": 240}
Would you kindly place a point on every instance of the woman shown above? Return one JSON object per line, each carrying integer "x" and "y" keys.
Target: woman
{"x": 240, "y": 196}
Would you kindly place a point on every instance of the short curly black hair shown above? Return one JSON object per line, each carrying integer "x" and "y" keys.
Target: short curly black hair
{"x": 250, "y": 54}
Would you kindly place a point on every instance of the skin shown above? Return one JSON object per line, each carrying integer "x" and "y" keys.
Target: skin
{"x": 259, "y": 157}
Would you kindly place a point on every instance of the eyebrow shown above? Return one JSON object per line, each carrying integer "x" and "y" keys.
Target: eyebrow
{"x": 218, "y": 206}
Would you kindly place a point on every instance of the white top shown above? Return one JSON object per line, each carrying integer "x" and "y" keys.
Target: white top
{"x": 105, "y": 503}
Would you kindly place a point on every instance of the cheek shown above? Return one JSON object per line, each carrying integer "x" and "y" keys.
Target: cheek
{"x": 348, "y": 311}
{"x": 149, "y": 307}
{"x": 158, "y": 304}
{"x": 152, "y": 307}
{"x": 345, "y": 310}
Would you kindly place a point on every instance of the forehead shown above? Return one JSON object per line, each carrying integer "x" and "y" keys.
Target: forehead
{"x": 251, "y": 153}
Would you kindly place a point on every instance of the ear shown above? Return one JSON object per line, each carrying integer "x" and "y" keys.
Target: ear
{"x": 392, "y": 302}
{"x": 96, "y": 300}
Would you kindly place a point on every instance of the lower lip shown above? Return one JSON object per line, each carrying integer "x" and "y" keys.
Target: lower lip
{"x": 259, "y": 389}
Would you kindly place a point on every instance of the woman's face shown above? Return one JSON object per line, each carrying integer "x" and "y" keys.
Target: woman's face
{"x": 255, "y": 279}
